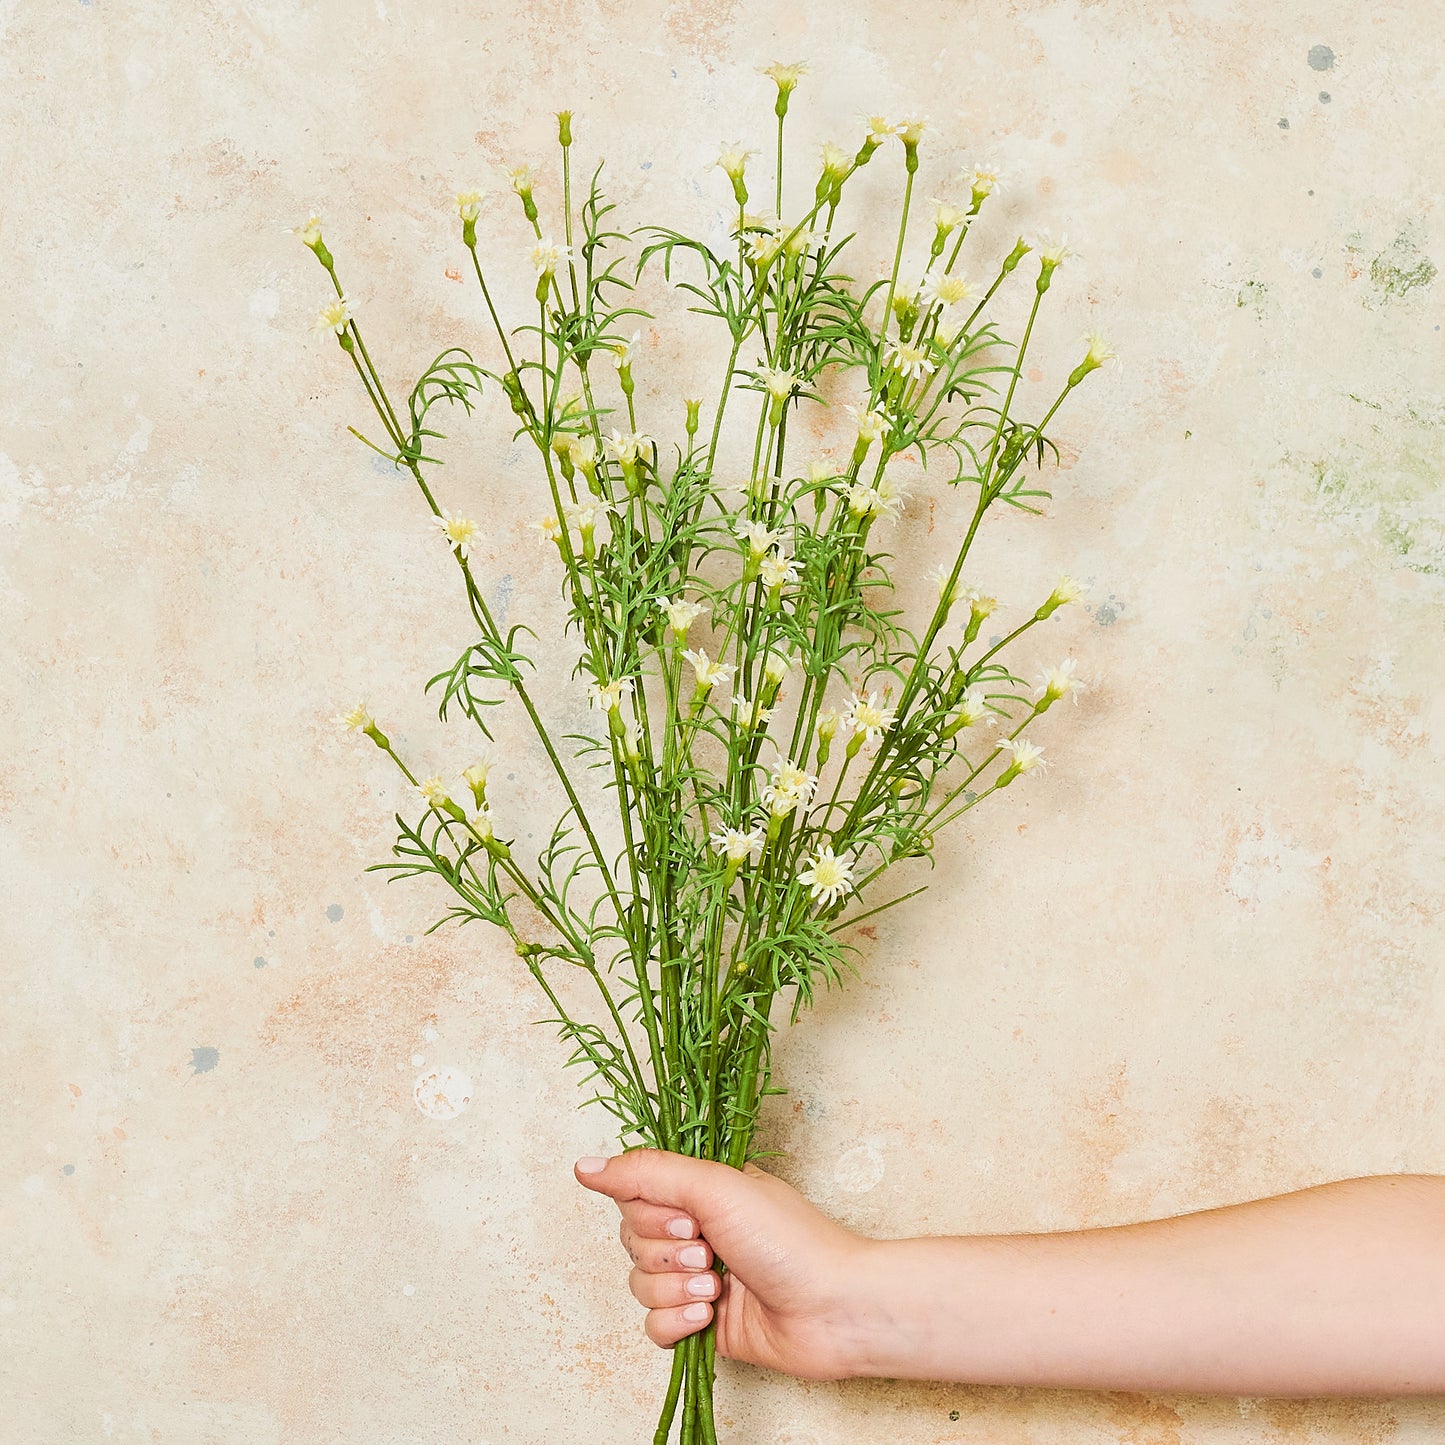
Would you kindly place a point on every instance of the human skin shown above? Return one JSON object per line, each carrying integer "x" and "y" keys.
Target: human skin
{"x": 1334, "y": 1290}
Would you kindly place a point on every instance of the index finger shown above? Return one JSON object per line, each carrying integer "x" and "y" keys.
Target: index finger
{"x": 657, "y": 1221}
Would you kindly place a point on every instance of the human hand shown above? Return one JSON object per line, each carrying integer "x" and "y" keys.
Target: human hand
{"x": 792, "y": 1298}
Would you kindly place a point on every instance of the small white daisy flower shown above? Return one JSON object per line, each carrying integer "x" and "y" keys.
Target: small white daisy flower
{"x": 827, "y": 877}
{"x": 607, "y": 696}
{"x": 460, "y": 532}
{"x": 738, "y": 846}
{"x": 866, "y": 715}
{"x": 334, "y": 316}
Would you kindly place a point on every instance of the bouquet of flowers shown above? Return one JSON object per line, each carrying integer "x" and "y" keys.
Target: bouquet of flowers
{"x": 776, "y": 739}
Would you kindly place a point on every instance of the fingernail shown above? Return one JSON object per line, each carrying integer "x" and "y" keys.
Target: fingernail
{"x": 591, "y": 1164}
{"x": 694, "y": 1256}
{"x": 695, "y": 1312}
{"x": 701, "y": 1284}
{"x": 678, "y": 1228}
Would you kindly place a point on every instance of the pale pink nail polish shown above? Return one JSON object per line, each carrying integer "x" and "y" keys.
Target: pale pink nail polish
{"x": 693, "y": 1257}
{"x": 695, "y": 1312}
{"x": 591, "y": 1164}
{"x": 678, "y": 1228}
{"x": 700, "y": 1284}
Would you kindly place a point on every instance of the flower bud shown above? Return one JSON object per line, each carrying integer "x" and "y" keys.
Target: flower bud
{"x": 827, "y": 730}
{"x": 1020, "y": 250}
{"x": 521, "y": 179}
{"x": 1065, "y": 591}
{"x": 1098, "y": 353}
{"x": 310, "y": 232}
{"x": 693, "y": 410}
{"x": 564, "y": 127}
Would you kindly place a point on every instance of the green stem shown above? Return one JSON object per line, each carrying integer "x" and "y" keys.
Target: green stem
{"x": 669, "y": 1404}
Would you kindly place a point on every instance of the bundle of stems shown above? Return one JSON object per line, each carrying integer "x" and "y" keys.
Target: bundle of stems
{"x": 767, "y": 777}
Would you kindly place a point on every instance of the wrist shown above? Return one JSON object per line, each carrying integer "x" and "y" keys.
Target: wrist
{"x": 892, "y": 1312}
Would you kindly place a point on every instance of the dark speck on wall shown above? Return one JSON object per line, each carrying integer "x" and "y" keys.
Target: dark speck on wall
{"x": 204, "y": 1059}
{"x": 1283, "y": 123}
{"x": 260, "y": 962}
{"x": 334, "y": 912}
{"x": 1317, "y": 273}
{"x": 1321, "y": 57}
{"x": 69, "y": 1169}
{"x": 1324, "y": 97}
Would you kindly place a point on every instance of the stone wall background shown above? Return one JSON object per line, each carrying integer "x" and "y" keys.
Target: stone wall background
{"x": 1196, "y": 962}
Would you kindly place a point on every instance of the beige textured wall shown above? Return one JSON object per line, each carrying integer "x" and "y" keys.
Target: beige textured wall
{"x": 1196, "y": 963}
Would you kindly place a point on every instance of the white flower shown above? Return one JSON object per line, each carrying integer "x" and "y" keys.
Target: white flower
{"x": 788, "y": 787}
{"x": 1056, "y": 682}
{"x": 435, "y": 794}
{"x": 583, "y": 451}
{"x": 984, "y": 180}
{"x": 309, "y": 230}
{"x": 909, "y": 361}
{"x": 583, "y": 514}
{"x": 1051, "y": 252}
{"x": 827, "y": 876}
{"x": 475, "y": 777}
{"x": 550, "y": 528}
{"x": 460, "y": 531}
{"x": 775, "y": 668}
{"x": 910, "y": 132}
{"x": 751, "y": 714}
{"x": 546, "y": 256}
{"x": 892, "y": 494}
{"x": 973, "y": 709}
{"x": 835, "y": 161}
{"x": 607, "y": 696}
{"x": 863, "y": 501}
{"x": 334, "y": 315}
{"x": 879, "y": 128}
{"x": 733, "y": 160}
{"x": 1098, "y": 350}
{"x": 481, "y": 824}
{"x": 797, "y": 239}
{"x": 680, "y": 613}
{"x": 520, "y": 178}
{"x": 777, "y": 569}
{"x": 872, "y": 425}
{"x": 980, "y": 604}
{"x": 1066, "y": 590}
{"x": 469, "y": 204}
{"x": 707, "y": 672}
{"x": 779, "y": 381}
{"x": 942, "y": 290}
{"x": 737, "y": 846}
{"x": 357, "y": 718}
{"x": 622, "y": 350}
{"x": 627, "y": 446}
{"x": 946, "y": 592}
{"x": 762, "y": 246}
{"x": 884, "y": 500}
{"x": 757, "y": 536}
{"x": 816, "y": 472}
{"x": 786, "y": 76}
{"x": 866, "y": 715}
{"x": 947, "y": 216}
{"x": 1024, "y": 757}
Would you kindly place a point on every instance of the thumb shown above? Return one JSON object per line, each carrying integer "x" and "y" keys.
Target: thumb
{"x": 699, "y": 1186}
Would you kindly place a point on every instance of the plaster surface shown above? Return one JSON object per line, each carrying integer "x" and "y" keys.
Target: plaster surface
{"x": 1196, "y": 962}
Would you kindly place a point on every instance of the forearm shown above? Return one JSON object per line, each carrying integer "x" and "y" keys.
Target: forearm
{"x": 1336, "y": 1290}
